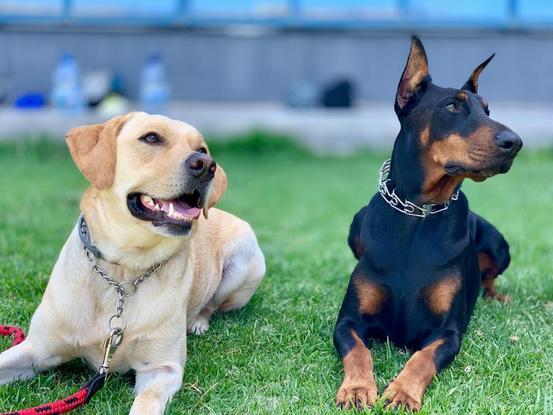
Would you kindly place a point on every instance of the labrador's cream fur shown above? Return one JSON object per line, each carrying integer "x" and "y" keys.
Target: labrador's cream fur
{"x": 217, "y": 266}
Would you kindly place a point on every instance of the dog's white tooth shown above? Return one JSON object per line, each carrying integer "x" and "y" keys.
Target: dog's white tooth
{"x": 171, "y": 209}
{"x": 147, "y": 200}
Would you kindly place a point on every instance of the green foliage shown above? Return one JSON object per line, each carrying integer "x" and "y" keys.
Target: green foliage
{"x": 276, "y": 355}
{"x": 256, "y": 143}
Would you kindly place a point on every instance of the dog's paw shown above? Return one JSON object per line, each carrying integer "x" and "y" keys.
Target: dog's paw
{"x": 398, "y": 397}
{"x": 147, "y": 403}
{"x": 502, "y": 298}
{"x": 357, "y": 396}
{"x": 199, "y": 326}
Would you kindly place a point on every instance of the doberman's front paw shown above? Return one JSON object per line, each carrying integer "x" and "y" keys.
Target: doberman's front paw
{"x": 502, "y": 298}
{"x": 356, "y": 395}
{"x": 397, "y": 396}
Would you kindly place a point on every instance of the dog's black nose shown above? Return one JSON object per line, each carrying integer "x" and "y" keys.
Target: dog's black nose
{"x": 200, "y": 164}
{"x": 508, "y": 141}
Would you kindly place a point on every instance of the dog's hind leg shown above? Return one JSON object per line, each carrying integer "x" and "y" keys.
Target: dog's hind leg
{"x": 493, "y": 255}
{"x": 489, "y": 272}
{"x": 243, "y": 270}
{"x": 240, "y": 280}
{"x": 24, "y": 361}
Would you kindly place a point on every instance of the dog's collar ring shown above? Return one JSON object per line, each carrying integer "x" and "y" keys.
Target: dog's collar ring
{"x": 405, "y": 206}
{"x": 118, "y": 324}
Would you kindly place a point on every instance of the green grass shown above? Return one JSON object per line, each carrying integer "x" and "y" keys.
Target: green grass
{"x": 276, "y": 355}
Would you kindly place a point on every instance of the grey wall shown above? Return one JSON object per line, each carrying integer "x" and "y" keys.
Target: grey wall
{"x": 210, "y": 66}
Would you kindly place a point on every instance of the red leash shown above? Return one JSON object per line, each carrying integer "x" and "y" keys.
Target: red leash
{"x": 81, "y": 397}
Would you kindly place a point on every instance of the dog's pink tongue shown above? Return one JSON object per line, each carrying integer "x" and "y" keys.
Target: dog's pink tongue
{"x": 181, "y": 207}
{"x": 185, "y": 209}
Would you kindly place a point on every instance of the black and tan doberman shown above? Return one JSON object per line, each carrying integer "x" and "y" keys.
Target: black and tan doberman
{"x": 423, "y": 255}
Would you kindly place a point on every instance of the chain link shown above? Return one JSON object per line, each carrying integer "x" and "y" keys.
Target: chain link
{"x": 117, "y": 323}
{"x": 407, "y": 207}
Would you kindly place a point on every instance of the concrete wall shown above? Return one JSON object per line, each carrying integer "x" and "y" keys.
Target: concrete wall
{"x": 264, "y": 66}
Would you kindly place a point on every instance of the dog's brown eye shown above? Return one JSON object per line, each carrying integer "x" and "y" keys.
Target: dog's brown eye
{"x": 151, "y": 138}
{"x": 202, "y": 150}
{"x": 451, "y": 107}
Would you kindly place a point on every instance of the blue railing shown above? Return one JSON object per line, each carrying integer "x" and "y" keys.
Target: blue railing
{"x": 314, "y": 14}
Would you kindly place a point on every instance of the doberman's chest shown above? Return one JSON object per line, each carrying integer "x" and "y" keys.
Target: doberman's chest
{"x": 414, "y": 281}
{"x": 405, "y": 307}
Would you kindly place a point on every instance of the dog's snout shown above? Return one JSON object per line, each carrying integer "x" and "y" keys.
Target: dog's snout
{"x": 200, "y": 164}
{"x": 508, "y": 141}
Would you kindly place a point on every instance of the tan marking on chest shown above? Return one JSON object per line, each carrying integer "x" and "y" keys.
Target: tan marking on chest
{"x": 370, "y": 296}
{"x": 440, "y": 295}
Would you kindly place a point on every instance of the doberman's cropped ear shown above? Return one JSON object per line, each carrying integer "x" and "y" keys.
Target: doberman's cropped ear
{"x": 218, "y": 187}
{"x": 472, "y": 83}
{"x": 415, "y": 76}
{"x": 93, "y": 148}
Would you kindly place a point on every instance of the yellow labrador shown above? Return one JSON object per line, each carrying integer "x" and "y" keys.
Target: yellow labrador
{"x": 151, "y": 179}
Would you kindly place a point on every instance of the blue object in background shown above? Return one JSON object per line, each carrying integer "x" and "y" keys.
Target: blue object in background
{"x": 366, "y": 14}
{"x": 240, "y": 8}
{"x": 30, "y": 100}
{"x": 351, "y": 9}
{"x": 124, "y": 8}
{"x": 154, "y": 88}
{"x": 494, "y": 10}
{"x": 19, "y": 8}
{"x": 67, "y": 91}
{"x": 537, "y": 11}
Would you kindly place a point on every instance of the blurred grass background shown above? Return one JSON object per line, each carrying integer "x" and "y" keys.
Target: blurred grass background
{"x": 276, "y": 355}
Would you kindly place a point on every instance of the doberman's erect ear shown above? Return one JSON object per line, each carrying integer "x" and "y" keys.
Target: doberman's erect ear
{"x": 415, "y": 76}
{"x": 472, "y": 84}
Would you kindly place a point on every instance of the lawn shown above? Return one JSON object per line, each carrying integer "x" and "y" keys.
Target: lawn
{"x": 276, "y": 356}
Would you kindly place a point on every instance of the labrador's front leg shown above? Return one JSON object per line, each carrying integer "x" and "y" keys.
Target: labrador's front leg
{"x": 155, "y": 387}
{"x": 25, "y": 360}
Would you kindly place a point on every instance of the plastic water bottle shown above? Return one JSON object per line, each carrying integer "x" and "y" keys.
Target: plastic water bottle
{"x": 67, "y": 91}
{"x": 154, "y": 88}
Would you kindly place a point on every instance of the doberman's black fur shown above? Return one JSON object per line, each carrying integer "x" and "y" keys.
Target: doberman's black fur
{"x": 493, "y": 250}
{"x": 418, "y": 278}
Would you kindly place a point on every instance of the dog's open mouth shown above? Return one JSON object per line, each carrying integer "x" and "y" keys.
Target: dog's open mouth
{"x": 179, "y": 211}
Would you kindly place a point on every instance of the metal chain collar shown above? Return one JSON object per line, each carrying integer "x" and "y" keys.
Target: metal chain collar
{"x": 117, "y": 322}
{"x": 405, "y": 206}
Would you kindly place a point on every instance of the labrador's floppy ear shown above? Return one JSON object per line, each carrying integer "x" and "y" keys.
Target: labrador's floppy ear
{"x": 93, "y": 148}
{"x": 415, "y": 76}
{"x": 472, "y": 83}
{"x": 218, "y": 187}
